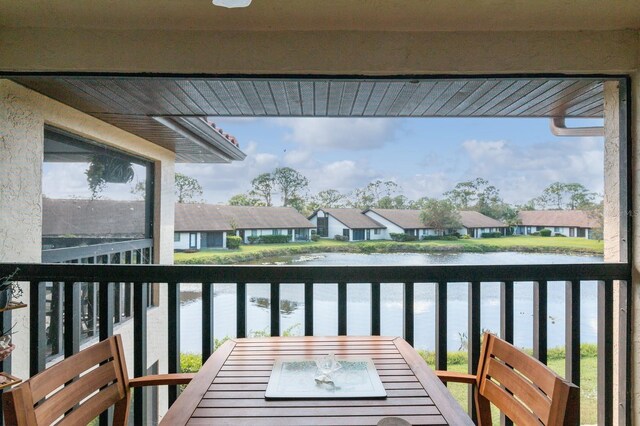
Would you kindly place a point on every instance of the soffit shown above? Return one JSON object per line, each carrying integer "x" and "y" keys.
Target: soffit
{"x": 131, "y": 103}
{"x": 296, "y": 15}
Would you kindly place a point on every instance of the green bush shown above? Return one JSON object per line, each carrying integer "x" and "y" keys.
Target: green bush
{"x": 557, "y": 234}
{"x": 491, "y": 235}
{"x": 254, "y": 239}
{"x": 465, "y": 237}
{"x": 315, "y": 237}
{"x": 536, "y": 234}
{"x": 440, "y": 237}
{"x": 401, "y": 236}
{"x": 340, "y": 238}
{"x": 274, "y": 239}
{"x": 233, "y": 242}
{"x": 545, "y": 233}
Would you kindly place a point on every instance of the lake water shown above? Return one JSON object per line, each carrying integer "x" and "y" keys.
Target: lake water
{"x": 359, "y": 301}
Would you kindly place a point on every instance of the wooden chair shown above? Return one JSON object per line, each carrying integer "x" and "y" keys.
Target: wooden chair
{"x": 520, "y": 386}
{"x": 101, "y": 380}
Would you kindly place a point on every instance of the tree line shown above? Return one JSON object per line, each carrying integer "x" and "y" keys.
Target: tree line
{"x": 286, "y": 186}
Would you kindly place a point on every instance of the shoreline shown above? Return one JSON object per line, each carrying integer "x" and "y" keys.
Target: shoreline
{"x": 237, "y": 257}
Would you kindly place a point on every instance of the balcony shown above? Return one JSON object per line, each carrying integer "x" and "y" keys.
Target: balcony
{"x": 71, "y": 277}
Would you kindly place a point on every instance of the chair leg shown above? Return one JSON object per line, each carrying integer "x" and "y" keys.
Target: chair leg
{"x": 483, "y": 409}
{"x": 121, "y": 410}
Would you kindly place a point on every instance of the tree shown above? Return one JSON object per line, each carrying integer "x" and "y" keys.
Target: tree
{"x": 440, "y": 215}
{"x": 329, "y": 198}
{"x": 372, "y": 194}
{"x": 397, "y": 202}
{"x": 570, "y": 196}
{"x": 291, "y": 183}
{"x": 187, "y": 188}
{"x": 243, "y": 200}
{"x": 475, "y": 194}
{"x": 263, "y": 187}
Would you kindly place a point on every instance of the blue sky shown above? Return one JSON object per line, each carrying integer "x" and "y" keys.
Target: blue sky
{"x": 425, "y": 156}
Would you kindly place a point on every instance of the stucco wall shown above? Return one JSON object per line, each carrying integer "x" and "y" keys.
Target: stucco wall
{"x": 325, "y": 52}
{"x": 23, "y": 114}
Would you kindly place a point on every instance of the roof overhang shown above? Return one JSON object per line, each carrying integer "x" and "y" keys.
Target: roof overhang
{"x": 171, "y": 111}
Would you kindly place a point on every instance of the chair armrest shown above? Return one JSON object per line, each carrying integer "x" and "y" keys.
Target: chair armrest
{"x": 451, "y": 376}
{"x": 161, "y": 379}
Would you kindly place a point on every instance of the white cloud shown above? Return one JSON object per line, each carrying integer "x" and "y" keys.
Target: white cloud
{"x": 521, "y": 172}
{"x": 338, "y": 133}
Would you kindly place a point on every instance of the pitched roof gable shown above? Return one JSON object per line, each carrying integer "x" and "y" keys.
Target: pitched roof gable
{"x": 352, "y": 218}
{"x": 211, "y": 217}
{"x": 558, "y": 218}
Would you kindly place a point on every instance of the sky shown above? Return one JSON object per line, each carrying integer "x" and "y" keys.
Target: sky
{"x": 424, "y": 156}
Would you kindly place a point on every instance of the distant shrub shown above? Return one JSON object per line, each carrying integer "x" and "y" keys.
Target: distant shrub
{"x": 557, "y": 234}
{"x": 401, "y": 236}
{"x": 545, "y": 233}
{"x": 269, "y": 239}
{"x": 440, "y": 237}
{"x": 274, "y": 239}
{"x": 233, "y": 242}
{"x": 465, "y": 237}
{"x": 340, "y": 238}
{"x": 491, "y": 235}
{"x": 315, "y": 237}
{"x": 536, "y": 234}
{"x": 191, "y": 251}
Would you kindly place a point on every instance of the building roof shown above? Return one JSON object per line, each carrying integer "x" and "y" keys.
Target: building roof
{"x": 98, "y": 218}
{"x": 558, "y": 218}
{"x": 404, "y": 218}
{"x": 472, "y": 219}
{"x": 212, "y": 217}
{"x": 410, "y": 219}
{"x": 352, "y": 218}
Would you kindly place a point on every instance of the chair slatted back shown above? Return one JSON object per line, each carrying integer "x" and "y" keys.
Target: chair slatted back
{"x": 522, "y": 387}
{"x": 74, "y": 391}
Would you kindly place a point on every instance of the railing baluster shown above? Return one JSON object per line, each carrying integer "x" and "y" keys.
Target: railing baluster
{"x": 605, "y": 352}
{"x": 540, "y": 320}
{"x": 105, "y": 298}
{"x": 37, "y": 319}
{"x": 308, "y": 309}
{"x": 342, "y": 309}
{"x": 241, "y": 310}
{"x": 506, "y": 324}
{"x": 441, "y": 325}
{"x": 139, "y": 349}
{"x": 408, "y": 312}
{"x": 375, "y": 309}
{"x": 572, "y": 331}
{"x": 275, "y": 309}
{"x": 474, "y": 337}
{"x": 207, "y": 321}
{"x": 173, "y": 335}
{"x": 71, "y": 318}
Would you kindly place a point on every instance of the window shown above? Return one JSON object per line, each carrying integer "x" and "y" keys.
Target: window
{"x": 556, "y": 229}
{"x": 193, "y": 240}
{"x": 376, "y": 232}
{"x": 176, "y": 237}
{"x": 254, "y": 232}
{"x": 276, "y": 232}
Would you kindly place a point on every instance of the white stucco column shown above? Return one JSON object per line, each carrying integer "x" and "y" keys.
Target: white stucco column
{"x": 634, "y": 338}
{"x": 21, "y": 153}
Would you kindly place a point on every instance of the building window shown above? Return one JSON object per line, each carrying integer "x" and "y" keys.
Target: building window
{"x": 276, "y": 232}
{"x": 254, "y": 232}
{"x": 376, "y": 231}
{"x": 176, "y": 237}
{"x": 556, "y": 229}
{"x": 193, "y": 240}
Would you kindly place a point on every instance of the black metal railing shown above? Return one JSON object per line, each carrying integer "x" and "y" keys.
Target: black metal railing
{"x": 610, "y": 277}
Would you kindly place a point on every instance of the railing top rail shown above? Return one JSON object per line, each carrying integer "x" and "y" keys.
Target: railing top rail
{"x": 315, "y": 274}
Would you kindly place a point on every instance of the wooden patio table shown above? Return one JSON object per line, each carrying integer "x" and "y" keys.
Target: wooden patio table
{"x": 230, "y": 387}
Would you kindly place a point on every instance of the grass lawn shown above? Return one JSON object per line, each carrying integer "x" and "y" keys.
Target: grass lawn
{"x": 252, "y": 252}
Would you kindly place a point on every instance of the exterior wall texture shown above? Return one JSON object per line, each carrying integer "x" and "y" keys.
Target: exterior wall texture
{"x": 23, "y": 114}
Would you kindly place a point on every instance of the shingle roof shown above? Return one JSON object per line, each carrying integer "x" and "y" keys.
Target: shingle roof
{"x": 404, "y": 218}
{"x": 410, "y": 219}
{"x": 570, "y": 218}
{"x": 211, "y": 217}
{"x": 473, "y": 219}
{"x": 93, "y": 218}
{"x": 353, "y": 218}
